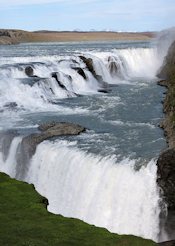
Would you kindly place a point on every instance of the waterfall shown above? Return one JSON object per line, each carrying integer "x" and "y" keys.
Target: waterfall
{"x": 99, "y": 190}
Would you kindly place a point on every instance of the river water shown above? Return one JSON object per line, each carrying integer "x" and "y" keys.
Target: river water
{"x": 107, "y": 175}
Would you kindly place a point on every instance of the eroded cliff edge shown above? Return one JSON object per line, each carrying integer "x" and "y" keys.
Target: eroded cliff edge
{"x": 166, "y": 160}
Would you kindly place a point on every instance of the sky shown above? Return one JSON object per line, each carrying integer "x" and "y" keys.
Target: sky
{"x": 85, "y": 15}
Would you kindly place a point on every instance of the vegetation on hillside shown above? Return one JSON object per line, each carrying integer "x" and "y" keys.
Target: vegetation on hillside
{"x": 25, "y": 221}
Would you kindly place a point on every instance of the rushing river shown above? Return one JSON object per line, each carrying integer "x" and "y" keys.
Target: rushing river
{"x": 107, "y": 175}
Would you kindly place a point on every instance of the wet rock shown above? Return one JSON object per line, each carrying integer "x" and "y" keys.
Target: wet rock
{"x": 46, "y": 126}
{"x": 166, "y": 161}
{"x": 11, "y": 105}
{"x": 49, "y": 130}
{"x": 58, "y": 76}
{"x": 89, "y": 65}
{"x": 166, "y": 176}
{"x": 80, "y": 71}
{"x": 166, "y": 180}
{"x": 113, "y": 66}
{"x": 168, "y": 243}
{"x": 103, "y": 90}
{"x": 162, "y": 83}
{"x": 52, "y": 129}
{"x": 54, "y": 75}
{"x": 29, "y": 71}
{"x": 45, "y": 201}
{"x": 29, "y": 143}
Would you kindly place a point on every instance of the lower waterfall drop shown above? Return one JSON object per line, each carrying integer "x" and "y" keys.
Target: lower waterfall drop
{"x": 97, "y": 190}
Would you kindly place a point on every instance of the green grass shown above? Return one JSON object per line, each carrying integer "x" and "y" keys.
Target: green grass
{"x": 24, "y": 221}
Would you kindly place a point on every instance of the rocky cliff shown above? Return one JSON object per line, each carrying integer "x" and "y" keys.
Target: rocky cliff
{"x": 7, "y": 37}
{"x": 166, "y": 161}
{"x": 12, "y": 36}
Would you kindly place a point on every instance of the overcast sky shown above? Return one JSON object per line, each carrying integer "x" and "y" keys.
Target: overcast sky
{"x": 118, "y": 15}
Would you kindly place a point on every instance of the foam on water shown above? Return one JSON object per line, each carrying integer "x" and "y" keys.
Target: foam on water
{"x": 131, "y": 63}
{"x": 134, "y": 124}
{"x": 115, "y": 67}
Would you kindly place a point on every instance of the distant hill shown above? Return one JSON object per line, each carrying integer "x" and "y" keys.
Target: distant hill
{"x": 12, "y": 36}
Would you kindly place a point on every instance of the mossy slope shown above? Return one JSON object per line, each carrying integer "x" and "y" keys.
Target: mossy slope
{"x": 24, "y": 221}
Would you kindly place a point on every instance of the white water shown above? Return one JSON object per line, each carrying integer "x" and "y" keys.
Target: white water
{"x": 9, "y": 165}
{"x": 140, "y": 62}
{"x": 98, "y": 190}
{"x": 16, "y": 87}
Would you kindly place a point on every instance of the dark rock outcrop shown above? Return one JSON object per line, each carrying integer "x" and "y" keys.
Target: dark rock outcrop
{"x": 50, "y": 130}
{"x": 13, "y": 36}
{"x": 166, "y": 160}
{"x": 89, "y": 64}
{"x": 11, "y": 105}
{"x": 54, "y": 75}
{"x": 166, "y": 176}
{"x": 8, "y": 37}
{"x": 168, "y": 69}
{"x": 29, "y": 143}
{"x": 169, "y": 243}
{"x": 112, "y": 65}
{"x": 29, "y": 71}
{"x": 80, "y": 71}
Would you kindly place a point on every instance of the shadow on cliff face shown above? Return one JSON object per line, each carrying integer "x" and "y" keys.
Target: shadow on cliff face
{"x": 166, "y": 160}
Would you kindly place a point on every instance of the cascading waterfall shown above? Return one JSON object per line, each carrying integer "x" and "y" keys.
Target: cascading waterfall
{"x": 114, "y": 67}
{"x": 105, "y": 190}
{"x": 99, "y": 190}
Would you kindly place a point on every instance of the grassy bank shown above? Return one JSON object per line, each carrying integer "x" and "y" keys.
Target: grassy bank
{"x": 24, "y": 221}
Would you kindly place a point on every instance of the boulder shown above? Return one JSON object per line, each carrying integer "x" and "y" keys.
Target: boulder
{"x": 50, "y": 130}
{"x": 29, "y": 143}
{"x": 29, "y": 71}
